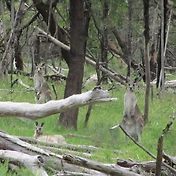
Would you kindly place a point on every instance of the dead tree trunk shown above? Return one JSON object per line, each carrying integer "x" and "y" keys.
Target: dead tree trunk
{"x": 79, "y": 30}
{"x": 162, "y": 41}
{"x": 163, "y": 34}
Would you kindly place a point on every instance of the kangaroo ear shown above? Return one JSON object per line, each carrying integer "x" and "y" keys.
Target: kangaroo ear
{"x": 42, "y": 124}
{"x": 36, "y": 123}
{"x": 42, "y": 64}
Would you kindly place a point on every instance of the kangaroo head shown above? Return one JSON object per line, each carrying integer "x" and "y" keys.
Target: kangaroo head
{"x": 131, "y": 86}
{"x": 40, "y": 68}
{"x": 38, "y": 129}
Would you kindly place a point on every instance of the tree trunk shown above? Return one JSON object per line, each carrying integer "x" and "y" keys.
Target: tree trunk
{"x": 78, "y": 34}
{"x": 160, "y": 81}
{"x": 53, "y": 28}
{"x": 13, "y": 40}
{"x": 146, "y": 57}
{"x": 163, "y": 32}
{"x": 17, "y": 33}
{"x": 104, "y": 39}
{"x": 153, "y": 62}
{"x": 17, "y": 52}
{"x": 130, "y": 2}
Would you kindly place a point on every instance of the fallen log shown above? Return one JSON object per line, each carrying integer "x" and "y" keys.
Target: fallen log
{"x": 147, "y": 166}
{"x": 33, "y": 163}
{"x": 80, "y": 148}
{"x": 63, "y": 151}
{"x": 71, "y": 174}
{"x": 168, "y": 84}
{"x": 51, "y": 160}
{"x": 171, "y": 160}
{"x": 108, "y": 169}
{"x": 36, "y": 111}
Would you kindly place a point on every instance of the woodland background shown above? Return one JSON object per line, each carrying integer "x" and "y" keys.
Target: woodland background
{"x": 124, "y": 40}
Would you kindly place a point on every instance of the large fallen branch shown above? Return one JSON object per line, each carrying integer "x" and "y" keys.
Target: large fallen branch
{"x": 115, "y": 76}
{"x": 35, "y": 111}
{"x": 33, "y": 163}
{"x": 108, "y": 169}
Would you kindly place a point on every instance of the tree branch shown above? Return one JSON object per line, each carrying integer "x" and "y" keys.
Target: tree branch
{"x": 111, "y": 74}
{"x": 35, "y": 111}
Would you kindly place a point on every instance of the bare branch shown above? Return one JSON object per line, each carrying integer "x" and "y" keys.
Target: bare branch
{"x": 146, "y": 151}
{"x": 35, "y": 111}
{"x": 111, "y": 74}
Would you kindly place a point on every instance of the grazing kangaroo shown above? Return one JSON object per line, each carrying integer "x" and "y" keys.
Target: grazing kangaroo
{"x": 133, "y": 121}
{"x": 38, "y": 134}
{"x": 42, "y": 90}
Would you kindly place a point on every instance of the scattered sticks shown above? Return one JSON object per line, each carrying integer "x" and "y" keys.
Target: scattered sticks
{"x": 137, "y": 143}
{"x": 160, "y": 147}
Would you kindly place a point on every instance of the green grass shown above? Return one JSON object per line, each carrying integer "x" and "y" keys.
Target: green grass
{"x": 103, "y": 117}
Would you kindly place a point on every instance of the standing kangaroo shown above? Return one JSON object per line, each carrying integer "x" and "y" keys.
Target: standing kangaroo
{"x": 38, "y": 134}
{"x": 133, "y": 121}
{"x": 42, "y": 90}
{"x": 130, "y": 102}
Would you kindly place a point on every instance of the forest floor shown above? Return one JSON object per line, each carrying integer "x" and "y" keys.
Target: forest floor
{"x": 103, "y": 117}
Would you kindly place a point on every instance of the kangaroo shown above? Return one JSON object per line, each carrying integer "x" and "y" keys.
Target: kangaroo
{"x": 44, "y": 94}
{"x": 38, "y": 134}
{"x": 133, "y": 121}
{"x": 130, "y": 102}
{"x": 42, "y": 90}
